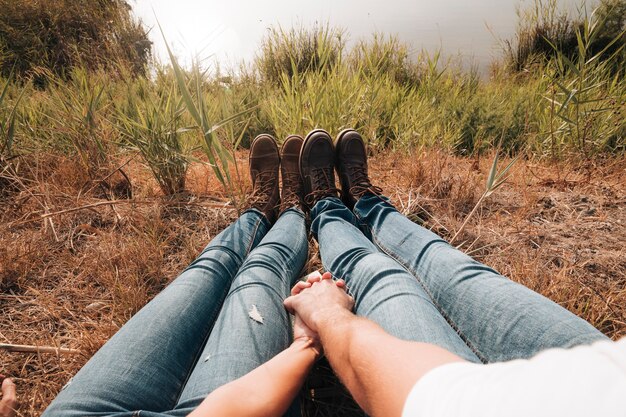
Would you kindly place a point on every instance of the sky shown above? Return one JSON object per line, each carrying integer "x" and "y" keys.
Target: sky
{"x": 229, "y": 31}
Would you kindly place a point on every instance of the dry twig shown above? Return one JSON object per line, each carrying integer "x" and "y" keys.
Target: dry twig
{"x": 37, "y": 349}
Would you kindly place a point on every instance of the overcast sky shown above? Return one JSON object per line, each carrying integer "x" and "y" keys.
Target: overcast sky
{"x": 230, "y": 30}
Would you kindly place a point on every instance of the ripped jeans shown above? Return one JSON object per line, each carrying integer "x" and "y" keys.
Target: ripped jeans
{"x": 220, "y": 319}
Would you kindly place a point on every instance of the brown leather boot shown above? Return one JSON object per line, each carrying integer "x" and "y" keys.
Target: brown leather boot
{"x": 351, "y": 167}
{"x": 264, "y": 162}
{"x": 292, "y": 191}
{"x": 317, "y": 162}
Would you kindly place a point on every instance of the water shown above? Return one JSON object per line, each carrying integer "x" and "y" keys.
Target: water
{"x": 230, "y": 30}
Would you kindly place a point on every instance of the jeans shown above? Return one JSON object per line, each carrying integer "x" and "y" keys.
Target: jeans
{"x": 197, "y": 334}
{"x": 418, "y": 287}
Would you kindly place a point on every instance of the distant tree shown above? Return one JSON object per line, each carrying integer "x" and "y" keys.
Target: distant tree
{"x": 57, "y": 35}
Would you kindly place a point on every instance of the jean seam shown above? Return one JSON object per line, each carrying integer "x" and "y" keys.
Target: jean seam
{"x": 469, "y": 344}
{"x": 253, "y": 238}
{"x": 198, "y": 354}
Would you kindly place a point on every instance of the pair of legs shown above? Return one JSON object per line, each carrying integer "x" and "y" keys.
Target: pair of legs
{"x": 413, "y": 283}
{"x": 197, "y": 334}
{"x": 418, "y": 287}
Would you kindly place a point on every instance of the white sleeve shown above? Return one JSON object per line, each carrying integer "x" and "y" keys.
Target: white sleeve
{"x": 583, "y": 381}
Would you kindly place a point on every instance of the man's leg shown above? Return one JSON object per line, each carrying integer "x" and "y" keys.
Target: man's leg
{"x": 498, "y": 318}
{"x": 383, "y": 290}
{"x": 145, "y": 365}
{"x": 253, "y": 326}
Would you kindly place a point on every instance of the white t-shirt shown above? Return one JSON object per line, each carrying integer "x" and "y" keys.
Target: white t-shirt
{"x": 585, "y": 381}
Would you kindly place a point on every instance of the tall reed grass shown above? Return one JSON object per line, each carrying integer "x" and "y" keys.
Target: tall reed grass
{"x": 152, "y": 122}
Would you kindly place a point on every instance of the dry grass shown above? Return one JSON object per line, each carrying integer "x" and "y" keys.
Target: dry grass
{"x": 73, "y": 279}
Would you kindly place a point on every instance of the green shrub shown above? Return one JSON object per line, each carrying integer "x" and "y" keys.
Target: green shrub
{"x": 298, "y": 51}
{"x": 152, "y": 122}
{"x": 384, "y": 54}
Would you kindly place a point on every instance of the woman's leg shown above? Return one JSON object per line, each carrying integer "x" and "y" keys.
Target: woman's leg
{"x": 498, "y": 318}
{"x": 253, "y": 325}
{"x": 145, "y": 365}
{"x": 383, "y": 290}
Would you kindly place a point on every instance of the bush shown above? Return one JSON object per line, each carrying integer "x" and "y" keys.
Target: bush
{"x": 151, "y": 121}
{"x": 59, "y": 35}
{"x": 298, "y": 51}
{"x": 384, "y": 55}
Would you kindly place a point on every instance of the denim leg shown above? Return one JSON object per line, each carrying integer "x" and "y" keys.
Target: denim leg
{"x": 383, "y": 290}
{"x": 498, "y": 318}
{"x": 145, "y": 365}
{"x": 240, "y": 343}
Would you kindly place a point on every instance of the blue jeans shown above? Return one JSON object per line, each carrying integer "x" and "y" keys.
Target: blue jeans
{"x": 185, "y": 343}
{"x": 197, "y": 334}
{"x": 418, "y": 287}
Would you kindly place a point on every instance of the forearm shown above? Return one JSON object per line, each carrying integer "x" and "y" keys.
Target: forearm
{"x": 378, "y": 369}
{"x": 266, "y": 391}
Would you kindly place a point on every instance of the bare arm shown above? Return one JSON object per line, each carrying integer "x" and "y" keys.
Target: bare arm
{"x": 266, "y": 391}
{"x": 378, "y": 369}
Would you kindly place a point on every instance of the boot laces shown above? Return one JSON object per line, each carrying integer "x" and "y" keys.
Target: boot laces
{"x": 292, "y": 190}
{"x": 361, "y": 181}
{"x": 263, "y": 188}
{"x": 322, "y": 184}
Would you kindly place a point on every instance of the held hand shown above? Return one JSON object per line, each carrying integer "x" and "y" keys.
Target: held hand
{"x": 318, "y": 299}
{"x": 301, "y": 332}
{"x": 9, "y": 400}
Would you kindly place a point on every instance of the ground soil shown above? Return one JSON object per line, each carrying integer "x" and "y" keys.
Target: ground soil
{"x": 79, "y": 258}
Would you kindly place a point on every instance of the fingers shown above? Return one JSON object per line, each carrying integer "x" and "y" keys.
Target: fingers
{"x": 8, "y": 390}
{"x": 314, "y": 279}
{"x": 301, "y": 285}
{"x": 9, "y": 399}
{"x": 288, "y": 303}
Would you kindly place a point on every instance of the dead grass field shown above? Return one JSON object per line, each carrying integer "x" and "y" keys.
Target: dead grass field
{"x": 73, "y": 278}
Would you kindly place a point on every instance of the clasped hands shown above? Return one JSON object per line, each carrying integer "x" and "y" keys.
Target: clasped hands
{"x": 316, "y": 303}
